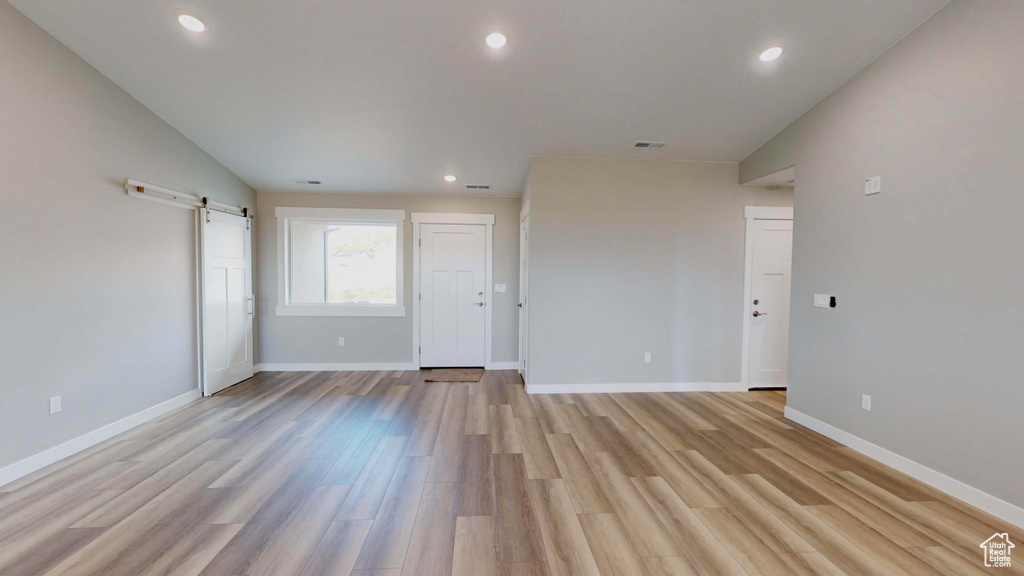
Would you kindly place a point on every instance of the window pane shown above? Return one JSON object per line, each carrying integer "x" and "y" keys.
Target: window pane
{"x": 307, "y": 282}
{"x": 362, "y": 262}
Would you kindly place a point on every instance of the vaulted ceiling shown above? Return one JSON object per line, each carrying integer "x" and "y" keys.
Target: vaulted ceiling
{"x": 389, "y": 96}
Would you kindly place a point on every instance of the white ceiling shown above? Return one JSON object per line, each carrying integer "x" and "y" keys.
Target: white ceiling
{"x": 387, "y": 96}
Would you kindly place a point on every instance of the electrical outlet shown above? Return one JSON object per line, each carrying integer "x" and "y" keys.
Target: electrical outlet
{"x": 55, "y": 405}
{"x": 865, "y": 402}
{"x": 821, "y": 300}
{"x": 341, "y": 341}
{"x": 647, "y": 357}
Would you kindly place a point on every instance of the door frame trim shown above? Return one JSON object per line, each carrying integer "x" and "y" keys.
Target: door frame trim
{"x": 486, "y": 220}
{"x": 524, "y": 289}
{"x": 752, "y": 214}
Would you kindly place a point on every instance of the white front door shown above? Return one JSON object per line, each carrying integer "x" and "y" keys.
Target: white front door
{"x": 453, "y": 292}
{"x": 771, "y": 271}
{"x": 227, "y": 301}
{"x": 524, "y": 285}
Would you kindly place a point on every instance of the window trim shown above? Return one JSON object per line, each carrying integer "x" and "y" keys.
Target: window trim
{"x": 286, "y": 214}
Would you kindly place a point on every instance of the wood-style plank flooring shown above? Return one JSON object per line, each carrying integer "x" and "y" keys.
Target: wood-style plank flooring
{"x": 372, "y": 474}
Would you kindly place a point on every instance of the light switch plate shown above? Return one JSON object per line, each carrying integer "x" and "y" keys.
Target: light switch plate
{"x": 500, "y": 288}
{"x": 822, "y": 300}
{"x": 55, "y": 405}
{"x": 873, "y": 185}
{"x": 865, "y": 402}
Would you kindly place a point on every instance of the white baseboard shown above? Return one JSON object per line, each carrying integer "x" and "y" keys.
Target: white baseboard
{"x": 71, "y": 447}
{"x": 363, "y": 367}
{"x": 635, "y": 387}
{"x": 332, "y": 367}
{"x": 955, "y": 488}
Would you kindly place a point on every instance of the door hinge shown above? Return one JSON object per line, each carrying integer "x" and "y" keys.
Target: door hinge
{"x": 421, "y": 350}
{"x": 247, "y": 221}
{"x": 420, "y": 296}
{"x": 421, "y": 242}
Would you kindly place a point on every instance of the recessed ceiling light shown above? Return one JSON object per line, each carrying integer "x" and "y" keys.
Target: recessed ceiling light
{"x": 450, "y": 178}
{"x": 191, "y": 23}
{"x": 771, "y": 54}
{"x": 496, "y": 40}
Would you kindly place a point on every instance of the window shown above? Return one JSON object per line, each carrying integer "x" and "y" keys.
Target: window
{"x": 339, "y": 262}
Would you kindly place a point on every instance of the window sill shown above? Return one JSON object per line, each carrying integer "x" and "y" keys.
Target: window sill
{"x": 339, "y": 310}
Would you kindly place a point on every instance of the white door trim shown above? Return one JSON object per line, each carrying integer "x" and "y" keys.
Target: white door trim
{"x": 438, "y": 218}
{"x": 752, "y": 214}
{"x": 487, "y": 220}
{"x": 768, "y": 213}
{"x": 524, "y": 291}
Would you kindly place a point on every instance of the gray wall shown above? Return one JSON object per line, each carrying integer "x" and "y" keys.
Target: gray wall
{"x": 630, "y": 256}
{"x": 371, "y": 340}
{"x": 928, "y": 274}
{"x": 97, "y": 289}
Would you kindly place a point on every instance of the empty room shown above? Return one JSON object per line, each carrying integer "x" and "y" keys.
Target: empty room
{"x": 536, "y": 288}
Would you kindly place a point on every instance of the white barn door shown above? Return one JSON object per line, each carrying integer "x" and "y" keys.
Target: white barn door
{"x": 227, "y": 301}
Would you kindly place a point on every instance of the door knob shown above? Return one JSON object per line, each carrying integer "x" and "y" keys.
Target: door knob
{"x": 479, "y": 304}
{"x": 756, "y": 314}
{"x": 520, "y": 304}
{"x": 756, "y": 302}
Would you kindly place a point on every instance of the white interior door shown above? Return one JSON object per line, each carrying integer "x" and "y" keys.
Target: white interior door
{"x": 453, "y": 291}
{"x": 771, "y": 272}
{"x": 227, "y": 301}
{"x": 524, "y": 258}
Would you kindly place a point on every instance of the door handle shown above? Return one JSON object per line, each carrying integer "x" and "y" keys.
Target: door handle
{"x": 520, "y": 304}
{"x": 479, "y": 304}
{"x": 756, "y": 314}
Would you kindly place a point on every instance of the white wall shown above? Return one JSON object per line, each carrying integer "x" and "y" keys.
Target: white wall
{"x": 929, "y": 273}
{"x": 97, "y": 289}
{"x": 631, "y": 256}
{"x": 377, "y": 340}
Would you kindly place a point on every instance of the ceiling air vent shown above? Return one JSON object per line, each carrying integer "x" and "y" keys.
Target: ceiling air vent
{"x": 655, "y": 145}
{"x": 477, "y": 187}
{"x": 313, "y": 182}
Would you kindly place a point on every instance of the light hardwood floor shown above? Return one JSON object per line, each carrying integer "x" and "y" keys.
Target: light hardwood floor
{"x": 308, "y": 474}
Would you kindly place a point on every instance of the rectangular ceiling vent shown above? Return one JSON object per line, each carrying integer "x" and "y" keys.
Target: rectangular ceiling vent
{"x": 477, "y": 187}
{"x": 313, "y": 182}
{"x": 652, "y": 145}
